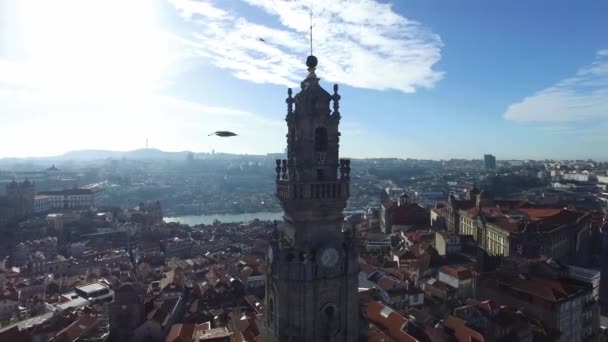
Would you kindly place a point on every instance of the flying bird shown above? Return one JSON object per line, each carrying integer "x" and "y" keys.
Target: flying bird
{"x": 262, "y": 40}
{"x": 223, "y": 134}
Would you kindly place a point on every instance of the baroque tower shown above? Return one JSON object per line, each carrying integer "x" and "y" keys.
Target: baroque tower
{"x": 312, "y": 281}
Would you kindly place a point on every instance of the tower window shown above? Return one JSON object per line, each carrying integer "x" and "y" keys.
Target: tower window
{"x": 320, "y": 175}
{"x": 320, "y": 139}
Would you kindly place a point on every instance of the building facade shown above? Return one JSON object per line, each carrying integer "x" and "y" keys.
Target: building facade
{"x": 554, "y": 232}
{"x": 312, "y": 279}
{"x": 402, "y": 215}
{"x": 505, "y": 227}
{"x": 548, "y": 291}
{"x": 79, "y": 198}
{"x": 489, "y": 162}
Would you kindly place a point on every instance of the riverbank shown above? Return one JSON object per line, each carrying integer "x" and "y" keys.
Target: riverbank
{"x": 225, "y": 218}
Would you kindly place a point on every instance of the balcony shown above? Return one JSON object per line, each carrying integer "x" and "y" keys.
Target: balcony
{"x": 317, "y": 190}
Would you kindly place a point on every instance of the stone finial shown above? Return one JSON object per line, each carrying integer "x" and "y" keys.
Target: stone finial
{"x": 278, "y": 168}
{"x": 336, "y": 98}
{"x": 345, "y": 169}
{"x": 311, "y": 63}
{"x": 290, "y": 100}
{"x": 284, "y": 169}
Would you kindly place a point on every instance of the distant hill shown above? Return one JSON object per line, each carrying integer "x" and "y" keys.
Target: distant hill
{"x": 140, "y": 154}
{"x": 149, "y": 153}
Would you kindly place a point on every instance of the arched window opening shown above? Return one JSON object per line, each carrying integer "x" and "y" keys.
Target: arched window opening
{"x": 271, "y": 310}
{"x": 329, "y": 311}
{"x": 321, "y": 139}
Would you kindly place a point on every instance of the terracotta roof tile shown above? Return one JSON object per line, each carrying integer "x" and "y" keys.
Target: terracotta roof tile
{"x": 181, "y": 333}
{"x": 457, "y": 272}
{"x": 410, "y": 214}
{"x": 387, "y": 283}
{"x": 545, "y": 288}
{"x": 389, "y": 321}
{"x": 461, "y": 331}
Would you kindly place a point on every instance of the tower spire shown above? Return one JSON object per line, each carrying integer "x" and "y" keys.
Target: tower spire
{"x": 310, "y": 27}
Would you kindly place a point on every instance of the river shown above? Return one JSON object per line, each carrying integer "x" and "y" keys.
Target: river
{"x": 225, "y": 218}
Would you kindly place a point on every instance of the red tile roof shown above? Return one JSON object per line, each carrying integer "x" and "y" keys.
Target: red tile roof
{"x": 545, "y": 288}
{"x": 561, "y": 218}
{"x": 386, "y": 283}
{"x": 511, "y": 220}
{"x": 487, "y": 305}
{"x": 389, "y": 321}
{"x": 409, "y": 214}
{"x": 181, "y": 333}
{"x": 461, "y": 331}
{"x": 457, "y": 272}
{"x": 462, "y": 204}
{"x": 506, "y": 223}
{"x": 377, "y": 335}
{"x": 399, "y": 274}
{"x": 77, "y": 329}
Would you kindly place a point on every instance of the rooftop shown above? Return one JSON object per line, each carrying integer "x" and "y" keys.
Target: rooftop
{"x": 458, "y": 272}
{"x": 92, "y": 287}
{"x": 552, "y": 290}
{"x": 389, "y": 321}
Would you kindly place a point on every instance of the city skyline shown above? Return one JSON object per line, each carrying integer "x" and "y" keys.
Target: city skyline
{"x": 428, "y": 81}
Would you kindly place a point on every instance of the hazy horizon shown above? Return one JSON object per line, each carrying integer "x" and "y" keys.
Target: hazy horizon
{"x": 80, "y": 153}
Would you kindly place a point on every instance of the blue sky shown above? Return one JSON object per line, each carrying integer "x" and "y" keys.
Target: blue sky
{"x": 419, "y": 79}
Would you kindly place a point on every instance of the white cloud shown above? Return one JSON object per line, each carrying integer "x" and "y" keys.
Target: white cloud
{"x": 73, "y": 82}
{"x": 360, "y": 43}
{"x": 578, "y": 98}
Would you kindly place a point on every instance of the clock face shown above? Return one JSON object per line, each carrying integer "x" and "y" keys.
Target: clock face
{"x": 270, "y": 255}
{"x": 329, "y": 257}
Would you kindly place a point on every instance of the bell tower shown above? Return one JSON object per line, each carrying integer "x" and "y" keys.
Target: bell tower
{"x": 312, "y": 281}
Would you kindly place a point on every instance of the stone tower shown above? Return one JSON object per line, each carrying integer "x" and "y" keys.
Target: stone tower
{"x": 126, "y": 313}
{"x": 311, "y": 291}
{"x": 21, "y": 197}
{"x": 604, "y": 268}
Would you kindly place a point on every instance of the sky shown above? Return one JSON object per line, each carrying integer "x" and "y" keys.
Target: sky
{"x": 428, "y": 79}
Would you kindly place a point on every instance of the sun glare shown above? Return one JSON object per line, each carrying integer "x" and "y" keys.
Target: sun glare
{"x": 81, "y": 47}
